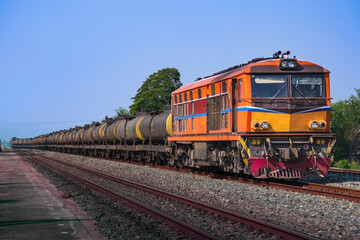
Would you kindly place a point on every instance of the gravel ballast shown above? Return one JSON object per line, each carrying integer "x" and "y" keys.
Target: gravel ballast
{"x": 113, "y": 219}
{"x": 319, "y": 216}
{"x": 219, "y": 227}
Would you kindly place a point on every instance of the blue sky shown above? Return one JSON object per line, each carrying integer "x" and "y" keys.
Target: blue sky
{"x": 67, "y": 63}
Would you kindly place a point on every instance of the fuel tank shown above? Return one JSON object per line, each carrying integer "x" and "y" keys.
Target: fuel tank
{"x": 111, "y": 133}
{"x": 52, "y": 138}
{"x": 71, "y": 135}
{"x": 161, "y": 126}
{"x": 79, "y": 135}
{"x": 133, "y": 128}
{"x": 144, "y": 127}
{"x": 65, "y": 138}
{"x": 49, "y": 139}
{"x": 121, "y": 129}
{"x": 88, "y": 133}
{"x": 59, "y": 138}
{"x": 98, "y": 133}
{"x": 156, "y": 127}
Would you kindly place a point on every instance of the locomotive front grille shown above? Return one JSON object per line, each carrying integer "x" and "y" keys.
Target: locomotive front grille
{"x": 287, "y": 173}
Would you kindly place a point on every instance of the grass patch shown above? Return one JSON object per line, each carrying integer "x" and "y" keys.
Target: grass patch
{"x": 347, "y": 164}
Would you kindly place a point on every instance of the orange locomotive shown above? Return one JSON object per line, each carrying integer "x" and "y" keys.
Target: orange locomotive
{"x": 269, "y": 117}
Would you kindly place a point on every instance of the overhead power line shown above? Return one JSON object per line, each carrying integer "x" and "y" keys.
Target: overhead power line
{"x": 39, "y": 123}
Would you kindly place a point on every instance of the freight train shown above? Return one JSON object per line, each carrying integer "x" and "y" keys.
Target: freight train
{"x": 268, "y": 118}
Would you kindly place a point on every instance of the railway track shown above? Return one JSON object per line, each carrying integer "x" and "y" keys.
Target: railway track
{"x": 318, "y": 189}
{"x": 303, "y": 187}
{"x": 185, "y": 228}
{"x": 308, "y": 188}
{"x": 341, "y": 170}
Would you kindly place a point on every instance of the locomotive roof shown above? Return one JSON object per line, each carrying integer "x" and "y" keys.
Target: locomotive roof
{"x": 254, "y": 66}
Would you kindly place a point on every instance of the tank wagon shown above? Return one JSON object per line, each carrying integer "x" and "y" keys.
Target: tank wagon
{"x": 268, "y": 118}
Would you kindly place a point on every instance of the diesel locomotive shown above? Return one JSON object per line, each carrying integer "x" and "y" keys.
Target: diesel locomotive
{"x": 268, "y": 118}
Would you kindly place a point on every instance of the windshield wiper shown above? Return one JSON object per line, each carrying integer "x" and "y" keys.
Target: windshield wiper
{"x": 301, "y": 93}
{"x": 277, "y": 93}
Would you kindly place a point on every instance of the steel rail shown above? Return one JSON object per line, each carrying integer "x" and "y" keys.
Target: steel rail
{"x": 303, "y": 187}
{"x": 347, "y": 193}
{"x": 248, "y": 221}
{"x": 341, "y": 170}
{"x": 308, "y": 188}
{"x": 183, "y": 227}
{"x": 317, "y": 189}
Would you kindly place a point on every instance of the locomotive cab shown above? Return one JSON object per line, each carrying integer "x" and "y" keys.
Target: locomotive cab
{"x": 289, "y": 120}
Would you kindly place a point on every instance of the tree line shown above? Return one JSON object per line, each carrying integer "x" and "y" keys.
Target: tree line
{"x": 345, "y": 122}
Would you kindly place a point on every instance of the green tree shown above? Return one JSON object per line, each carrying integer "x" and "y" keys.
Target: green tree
{"x": 345, "y": 122}
{"x": 155, "y": 91}
{"x": 356, "y": 97}
{"x": 122, "y": 112}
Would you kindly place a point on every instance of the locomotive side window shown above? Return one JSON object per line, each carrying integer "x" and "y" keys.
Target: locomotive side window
{"x": 185, "y": 97}
{"x": 307, "y": 86}
{"x": 180, "y": 100}
{"x": 224, "y": 87}
{"x": 175, "y": 99}
{"x": 181, "y": 110}
{"x": 192, "y": 112}
{"x": 269, "y": 86}
{"x": 212, "y": 89}
{"x": 191, "y": 95}
{"x": 199, "y": 93}
{"x": 224, "y": 106}
{"x": 240, "y": 90}
{"x": 186, "y": 112}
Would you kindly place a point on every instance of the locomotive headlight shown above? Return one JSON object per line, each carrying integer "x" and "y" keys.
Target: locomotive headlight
{"x": 255, "y": 141}
{"x": 320, "y": 141}
{"x": 256, "y": 125}
{"x": 265, "y": 125}
{"x": 292, "y": 64}
{"x": 322, "y": 124}
{"x": 284, "y": 64}
{"x": 288, "y": 64}
{"x": 314, "y": 124}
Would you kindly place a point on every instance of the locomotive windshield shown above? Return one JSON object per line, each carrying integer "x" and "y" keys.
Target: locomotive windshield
{"x": 269, "y": 86}
{"x": 308, "y": 86}
{"x": 276, "y": 86}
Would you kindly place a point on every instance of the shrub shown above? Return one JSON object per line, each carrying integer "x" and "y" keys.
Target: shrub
{"x": 354, "y": 165}
{"x": 344, "y": 163}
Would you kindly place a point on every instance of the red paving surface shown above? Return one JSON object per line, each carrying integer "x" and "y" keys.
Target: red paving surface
{"x": 32, "y": 208}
